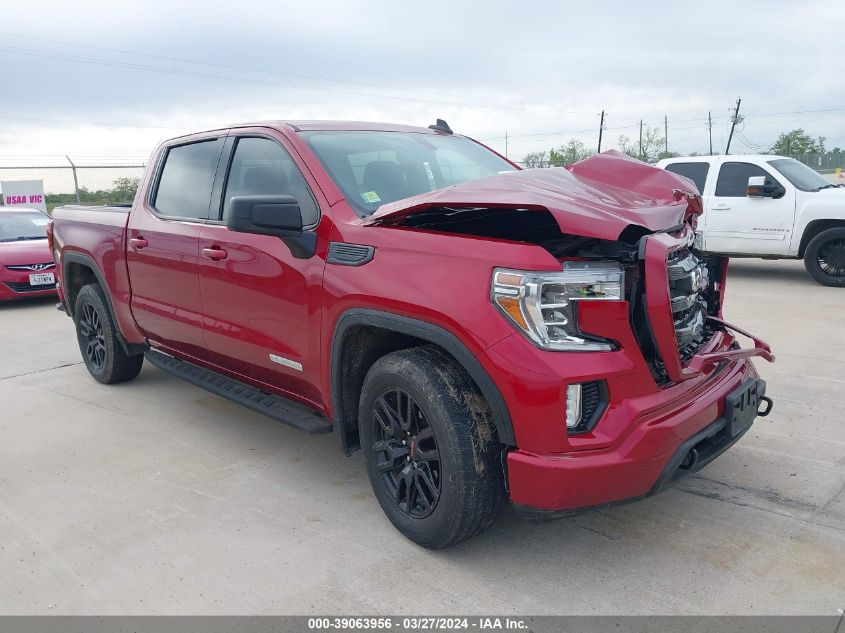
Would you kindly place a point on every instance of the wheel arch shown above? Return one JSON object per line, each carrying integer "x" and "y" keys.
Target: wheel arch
{"x": 813, "y": 229}
{"x": 79, "y": 270}
{"x": 371, "y": 334}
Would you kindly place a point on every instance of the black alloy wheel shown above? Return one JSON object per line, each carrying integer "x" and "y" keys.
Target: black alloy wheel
{"x": 406, "y": 453}
{"x": 91, "y": 332}
{"x": 105, "y": 357}
{"x": 430, "y": 448}
{"x": 831, "y": 257}
{"x": 824, "y": 257}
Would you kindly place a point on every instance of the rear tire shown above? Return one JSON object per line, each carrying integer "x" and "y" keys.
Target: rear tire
{"x": 430, "y": 448}
{"x": 103, "y": 354}
{"x": 824, "y": 257}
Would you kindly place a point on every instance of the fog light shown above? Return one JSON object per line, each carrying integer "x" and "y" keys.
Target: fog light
{"x": 573, "y": 406}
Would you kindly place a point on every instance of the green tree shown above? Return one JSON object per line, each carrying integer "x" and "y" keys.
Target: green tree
{"x": 798, "y": 141}
{"x": 535, "y": 159}
{"x": 573, "y": 151}
{"x": 653, "y": 147}
{"x": 123, "y": 189}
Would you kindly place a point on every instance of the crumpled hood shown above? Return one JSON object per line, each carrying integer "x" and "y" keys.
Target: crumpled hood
{"x": 25, "y": 252}
{"x": 597, "y": 197}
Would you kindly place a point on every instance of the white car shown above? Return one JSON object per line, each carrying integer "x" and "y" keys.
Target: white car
{"x": 769, "y": 206}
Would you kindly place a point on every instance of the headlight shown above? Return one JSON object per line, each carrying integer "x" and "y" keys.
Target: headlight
{"x": 541, "y": 304}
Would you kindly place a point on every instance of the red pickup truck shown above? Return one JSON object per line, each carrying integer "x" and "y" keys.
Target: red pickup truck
{"x": 478, "y": 331}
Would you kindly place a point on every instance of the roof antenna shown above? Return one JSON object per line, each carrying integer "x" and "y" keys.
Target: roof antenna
{"x": 441, "y": 126}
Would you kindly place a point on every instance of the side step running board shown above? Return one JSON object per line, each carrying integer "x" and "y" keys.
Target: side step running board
{"x": 279, "y": 408}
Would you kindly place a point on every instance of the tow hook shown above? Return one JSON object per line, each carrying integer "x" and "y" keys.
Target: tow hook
{"x": 690, "y": 460}
{"x": 769, "y": 404}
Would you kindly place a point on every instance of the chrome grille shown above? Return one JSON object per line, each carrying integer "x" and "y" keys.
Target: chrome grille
{"x": 33, "y": 267}
{"x": 688, "y": 278}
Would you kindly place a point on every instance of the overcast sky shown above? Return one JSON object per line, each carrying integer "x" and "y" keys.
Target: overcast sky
{"x": 542, "y": 71}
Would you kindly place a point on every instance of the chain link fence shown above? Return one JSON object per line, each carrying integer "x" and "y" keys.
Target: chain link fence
{"x": 78, "y": 180}
{"x": 827, "y": 162}
{"x": 115, "y": 179}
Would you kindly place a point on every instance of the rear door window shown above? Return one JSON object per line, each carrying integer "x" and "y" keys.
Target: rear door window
{"x": 697, "y": 172}
{"x": 184, "y": 185}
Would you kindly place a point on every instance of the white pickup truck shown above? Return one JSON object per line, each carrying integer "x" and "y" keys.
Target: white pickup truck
{"x": 771, "y": 207}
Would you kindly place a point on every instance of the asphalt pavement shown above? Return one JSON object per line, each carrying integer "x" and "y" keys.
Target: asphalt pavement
{"x": 156, "y": 497}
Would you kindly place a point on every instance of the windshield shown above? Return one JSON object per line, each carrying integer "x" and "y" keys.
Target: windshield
{"x": 22, "y": 225}
{"x": 374, "y": 168}
{"x": 803, "y": 177}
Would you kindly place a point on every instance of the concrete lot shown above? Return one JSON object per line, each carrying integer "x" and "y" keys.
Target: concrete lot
{"x": 157, "y": 497}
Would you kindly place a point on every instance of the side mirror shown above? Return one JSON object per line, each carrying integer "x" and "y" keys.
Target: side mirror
{"x": 759, "y": 188}
{"x": 279, "y": 216}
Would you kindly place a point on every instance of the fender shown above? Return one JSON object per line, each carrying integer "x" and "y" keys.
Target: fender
{"x": 426, "y": 332}
{"x": 78, "y": 258}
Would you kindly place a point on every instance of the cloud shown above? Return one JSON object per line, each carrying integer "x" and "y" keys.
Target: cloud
{"x": 540, "y": 71}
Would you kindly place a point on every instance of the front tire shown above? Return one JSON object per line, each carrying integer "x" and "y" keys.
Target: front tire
{"x": 824, "y": 257}
{"x": 430, "y": 449}
{"x": 96, "y": 333}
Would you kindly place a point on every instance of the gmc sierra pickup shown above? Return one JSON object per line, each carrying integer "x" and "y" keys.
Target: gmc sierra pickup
{"x": 478, "y": 331}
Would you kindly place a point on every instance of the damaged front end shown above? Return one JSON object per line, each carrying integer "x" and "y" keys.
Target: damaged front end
{"x": 622, "y": 231}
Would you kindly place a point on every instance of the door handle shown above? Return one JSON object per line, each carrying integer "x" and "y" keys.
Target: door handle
{"x": 138, "y": 242}
{"x": 721, "y": 207}
{"x": 215, "y": 253}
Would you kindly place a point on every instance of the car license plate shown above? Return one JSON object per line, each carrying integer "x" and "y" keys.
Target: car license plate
{"x": 741, "y": 407}
{"x": 41, "y": 279}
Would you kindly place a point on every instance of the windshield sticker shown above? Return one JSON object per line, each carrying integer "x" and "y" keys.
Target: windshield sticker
{"x": 430, "y": 175}
{"x": 370, "y": 197}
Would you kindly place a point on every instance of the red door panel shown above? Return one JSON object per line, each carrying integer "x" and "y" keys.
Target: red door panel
{"x": 162, "y": 256}
{"x": 261, "y": 310}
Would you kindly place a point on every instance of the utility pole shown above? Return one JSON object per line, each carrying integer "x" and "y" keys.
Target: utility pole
{"x": 734, "y": 120}
{"x": 601, "y": 129}
{"x": 641, "y": 139}
{"x": 666, "y": 134}
{"x": 710, "y": 130}
{"x": 506, "y": 143}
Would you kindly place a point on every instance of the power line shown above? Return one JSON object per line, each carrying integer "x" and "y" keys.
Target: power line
{"x": 72, "y": 122}
{"x": 247, "y": 69}
{"x": 259, "y": 82}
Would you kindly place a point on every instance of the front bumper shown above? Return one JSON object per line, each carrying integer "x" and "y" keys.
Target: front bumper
{"x": 644, "y": 462}
{"x": 15, "y": 285}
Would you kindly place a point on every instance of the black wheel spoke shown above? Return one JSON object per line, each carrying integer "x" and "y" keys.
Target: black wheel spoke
{"x": 389, "y": 417}
{"x": 390, "y": 456}
{"x": 92, "y": 337}
{"x": 427, "y": 487}
{"x": 432, "y": 455}
{"x": 405, "y": 452}
{"x": 410, "y": 490}
{"x": 831, "y": 258}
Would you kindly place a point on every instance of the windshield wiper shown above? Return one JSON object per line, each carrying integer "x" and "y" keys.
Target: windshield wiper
{"x": 827, "y": 186}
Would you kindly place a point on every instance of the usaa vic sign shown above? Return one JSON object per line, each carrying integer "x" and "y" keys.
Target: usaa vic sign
{"x": 24, "y": 193}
